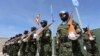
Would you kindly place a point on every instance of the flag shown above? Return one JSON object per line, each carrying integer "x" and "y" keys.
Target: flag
{"x": 38, "y": 19}
{"x": 75, "y": 3}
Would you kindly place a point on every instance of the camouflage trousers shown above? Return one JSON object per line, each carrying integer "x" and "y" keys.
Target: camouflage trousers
{"x": 93, "y": 53}
{"x": 45, "y": 50}
{"x": 89, "y": 54}
{"x": 23, "y": 53}
{"x": 32, "y": 51}
{"x": 65, "y": 49}
{"x": 76, "y": 48}
{"x": 31, "y": 54}
{"x": 23, "y": 49}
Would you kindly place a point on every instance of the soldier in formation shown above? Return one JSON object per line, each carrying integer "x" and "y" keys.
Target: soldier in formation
{"x": 67, "y": 40}
{"x": 45, "y": 40}
{"x": 68, "y": 46}
{"x": 90, "y": 44}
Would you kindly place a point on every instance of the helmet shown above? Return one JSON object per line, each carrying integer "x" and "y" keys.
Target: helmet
{"x": 33, "y": 28}
{"x": 64, "y": 15}
{"x": 19, "y": 35}
{"x": 16, "y": 35}
{"x": 43, "y": 23}
{"x": 26, "y": 32}
{"x": 85, "y": 29}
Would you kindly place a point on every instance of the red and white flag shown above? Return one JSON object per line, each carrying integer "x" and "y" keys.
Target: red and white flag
{"x": 38, "y": 19}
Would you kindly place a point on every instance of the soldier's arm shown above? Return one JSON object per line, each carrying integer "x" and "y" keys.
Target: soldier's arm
{"x": 48, "y": 33}
{"x": 58, "y": 35}
{"x": 24, "y": 38}
{"x": 77, "y": 27}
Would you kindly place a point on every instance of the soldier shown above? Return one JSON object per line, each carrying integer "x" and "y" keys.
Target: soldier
{"x": 45, "y": 40}
{"x": 23, "y": 44}
{"x": 90, "y": 44}
{"x": 67, "y": 46}
{"x": 4, "y": 50}
{"x": 19, "y": 43}
{"x": 31, "y": 47}
{"x": 16, "y": 44}
{"x": 11, "y": 47}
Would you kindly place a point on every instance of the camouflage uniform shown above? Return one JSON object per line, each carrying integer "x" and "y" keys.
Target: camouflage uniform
{"x": 7, "y": 48}
{"x": 4, "y": 50}
{"x": 67, "y": 47}
{"x": 64, "y": 44}
{"x": 76, "y": 48}
{"x": 23, "y": 49}
{"x": 15, "y": 49}
{"x": 23, "y": 44}
{"x": 31, "y": 47}
{"x": 45, "y": 41}
{"x": 10, "y": 49}
{"x": 75, "y": 43}
{"x": 91, "y": 46}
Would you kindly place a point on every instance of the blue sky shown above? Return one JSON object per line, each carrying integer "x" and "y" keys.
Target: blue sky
{"x": 19, "y": 15}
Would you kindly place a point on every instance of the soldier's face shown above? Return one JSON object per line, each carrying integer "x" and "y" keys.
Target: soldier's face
{"x": 43, "y": 24}
{"x": 64, "y": 17}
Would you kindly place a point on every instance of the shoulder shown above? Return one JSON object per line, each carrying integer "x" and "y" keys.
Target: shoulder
{"x": 59, "y": 26}
{"x": 48, "y": 30}
{"x": 75, "y": 23}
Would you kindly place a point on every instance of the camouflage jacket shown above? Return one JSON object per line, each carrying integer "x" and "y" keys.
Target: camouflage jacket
{"x": 62, "y": 30}
{"x": 46, "y": 36}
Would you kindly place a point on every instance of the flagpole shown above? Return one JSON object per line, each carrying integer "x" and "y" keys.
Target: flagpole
{"x": 79, "y": 19}
{"x": 80, "y": 22}
{"x": 53, "y": 52}
{"x": 38, "y": 44}
{"x": 52, "y": 13}
{"x": 76, "y": 4}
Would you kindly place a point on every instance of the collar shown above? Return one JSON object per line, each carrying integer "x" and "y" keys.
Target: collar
{"x": 65, "y": 22}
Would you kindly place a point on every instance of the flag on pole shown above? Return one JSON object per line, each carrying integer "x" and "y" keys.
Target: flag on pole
{"x": 75, "y": 3}
{"x": 38, "y": 19}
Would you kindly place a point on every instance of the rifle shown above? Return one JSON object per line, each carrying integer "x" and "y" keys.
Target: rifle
{"x": 72, "y": 31}
{"x": 15, "y": 39}
{"x": 89, "y": 33}
{"x": 71, "y": 26}
{"x": 40, "y": 32}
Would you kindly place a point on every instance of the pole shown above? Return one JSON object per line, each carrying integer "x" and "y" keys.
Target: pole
{"x": 53, "y": 52}
{"x": 80, "y": 22}
{"x": 38, "y": 44}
